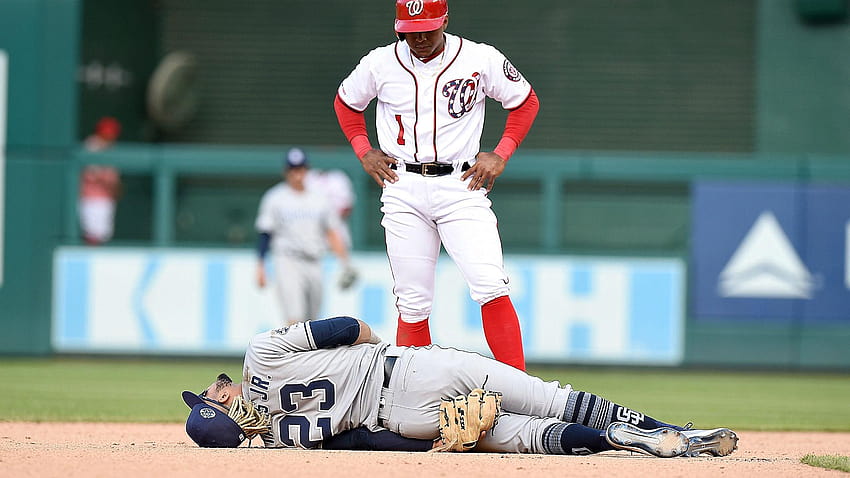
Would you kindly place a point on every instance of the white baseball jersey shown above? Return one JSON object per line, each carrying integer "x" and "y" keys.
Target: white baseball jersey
{"x": 297, "y": 221}
{"x": 433, "y": 111}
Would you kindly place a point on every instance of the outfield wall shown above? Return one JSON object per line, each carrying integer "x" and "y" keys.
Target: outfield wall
{"x": 550, "y": 204}
{"x": 554, "y": 206}
{"x": 754, "y": 78}
{"x": 205, "y": 301}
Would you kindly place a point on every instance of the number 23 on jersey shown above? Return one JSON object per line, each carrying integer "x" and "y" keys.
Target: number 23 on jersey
{"x": 306, "y": 410}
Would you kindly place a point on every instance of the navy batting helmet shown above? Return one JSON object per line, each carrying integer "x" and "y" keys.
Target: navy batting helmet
{"x": 210, "y": 427}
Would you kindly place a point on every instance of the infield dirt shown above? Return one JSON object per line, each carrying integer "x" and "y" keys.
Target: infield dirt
{"x": 164, "y": 450}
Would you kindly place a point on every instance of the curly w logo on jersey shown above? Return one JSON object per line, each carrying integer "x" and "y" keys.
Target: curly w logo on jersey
{"x": 461, "y": 94}
{"x": 414, "y": 7}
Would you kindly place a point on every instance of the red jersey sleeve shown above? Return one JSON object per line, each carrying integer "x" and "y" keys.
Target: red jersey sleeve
{"x": 353, "y": 125}
{"x": 517, "y": 126}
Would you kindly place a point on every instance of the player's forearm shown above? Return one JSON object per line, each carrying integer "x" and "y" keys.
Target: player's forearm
{"x": 517, "y": 126}
{"x": 338, "y": 247}
{"x": 353, "y": 125}
{"x": 263, "y": 241}
{"x": 367, "y": 335}
{"x": 383, "y": 440}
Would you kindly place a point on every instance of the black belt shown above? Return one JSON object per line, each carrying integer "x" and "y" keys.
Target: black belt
{"x": 431, "y": 170}
{"x": 389, "y": 363}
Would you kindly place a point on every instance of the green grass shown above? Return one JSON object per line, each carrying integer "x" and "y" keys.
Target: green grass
{"x": 118, "y": 390}
{"x": 830, "y": 462}
{"x": 113, "y": 390}
{"x": 738, "y": 399}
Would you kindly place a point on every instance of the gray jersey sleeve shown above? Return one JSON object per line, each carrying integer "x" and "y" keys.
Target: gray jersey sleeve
{"x": 295, "y": 338}
{"x": 312, "y": 384}
{"x": 265, "y": 215}
{"x": 314, "y": 335}
{"x": 331, "y": 219}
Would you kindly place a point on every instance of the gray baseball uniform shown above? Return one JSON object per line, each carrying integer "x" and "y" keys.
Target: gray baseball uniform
{"x": 323, "y": 383}
{"x": 298, "y": 223}
{"x": 315, "y": 388}
{"x": 337, "y": 187}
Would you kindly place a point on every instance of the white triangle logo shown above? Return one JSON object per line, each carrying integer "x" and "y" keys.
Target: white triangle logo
{"x": 766, "y": 265}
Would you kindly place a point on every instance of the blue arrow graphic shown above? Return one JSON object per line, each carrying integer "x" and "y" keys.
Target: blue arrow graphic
{"x": 148, "y": 336}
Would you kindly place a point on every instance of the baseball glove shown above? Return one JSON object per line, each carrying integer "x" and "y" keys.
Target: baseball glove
{"x": 465, "y": 417}
{"x": 347, "y": 278}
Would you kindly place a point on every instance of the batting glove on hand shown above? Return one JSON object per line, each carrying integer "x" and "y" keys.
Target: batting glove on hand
{"x": 348, "y": 278}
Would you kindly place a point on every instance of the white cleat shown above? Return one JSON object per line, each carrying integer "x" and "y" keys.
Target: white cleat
{"x": 660, "y": 442}
{"x": 716, "y": 442}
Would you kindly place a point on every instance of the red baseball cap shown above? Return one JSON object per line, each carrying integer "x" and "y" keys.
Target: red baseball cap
{"x": 420, "y": 15}
{"x": 108, "y": 128}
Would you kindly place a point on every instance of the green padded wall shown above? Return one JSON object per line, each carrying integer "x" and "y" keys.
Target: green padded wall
{"x": 33, "y": 224}
{"x": 611, "y": 74}
{"x": 803, "y": 82}
{"x": 517, "y": 204}
{"x": 220, "y": 210}
{"x": 134, "y": 210}
{"x": 269, "y": 69}
{"x": 40, "y": 37}
{"x": 118, "y": 52}
{"x": 615, "y": 216}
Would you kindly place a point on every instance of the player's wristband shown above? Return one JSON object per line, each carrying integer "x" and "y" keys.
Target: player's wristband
{"x": 506, "y": 148}
{"x": 361, "y": 145}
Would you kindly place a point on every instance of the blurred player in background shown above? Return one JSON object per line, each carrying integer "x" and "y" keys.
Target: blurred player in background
{"x": 298, "y": 225}
{"x": 431, "y": 89}
{"x": 100, "y": 186}
{"x": 336, "y": 186}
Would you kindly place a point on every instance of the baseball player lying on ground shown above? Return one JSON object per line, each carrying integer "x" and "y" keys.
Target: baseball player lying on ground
{"x": 333, "y": 384}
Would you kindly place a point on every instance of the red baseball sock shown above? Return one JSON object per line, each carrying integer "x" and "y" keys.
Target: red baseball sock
{"x": 501, "y": 329}
{"x": 416, "y": 334}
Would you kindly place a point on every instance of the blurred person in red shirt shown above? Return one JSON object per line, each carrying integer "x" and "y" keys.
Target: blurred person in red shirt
{"x": 100, "y": 186}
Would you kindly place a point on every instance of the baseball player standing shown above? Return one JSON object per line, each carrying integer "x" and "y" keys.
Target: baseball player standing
{"x": 298, "y": 224}
{"x": 316, "y": 380}
{"x": 430, "y": 88}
